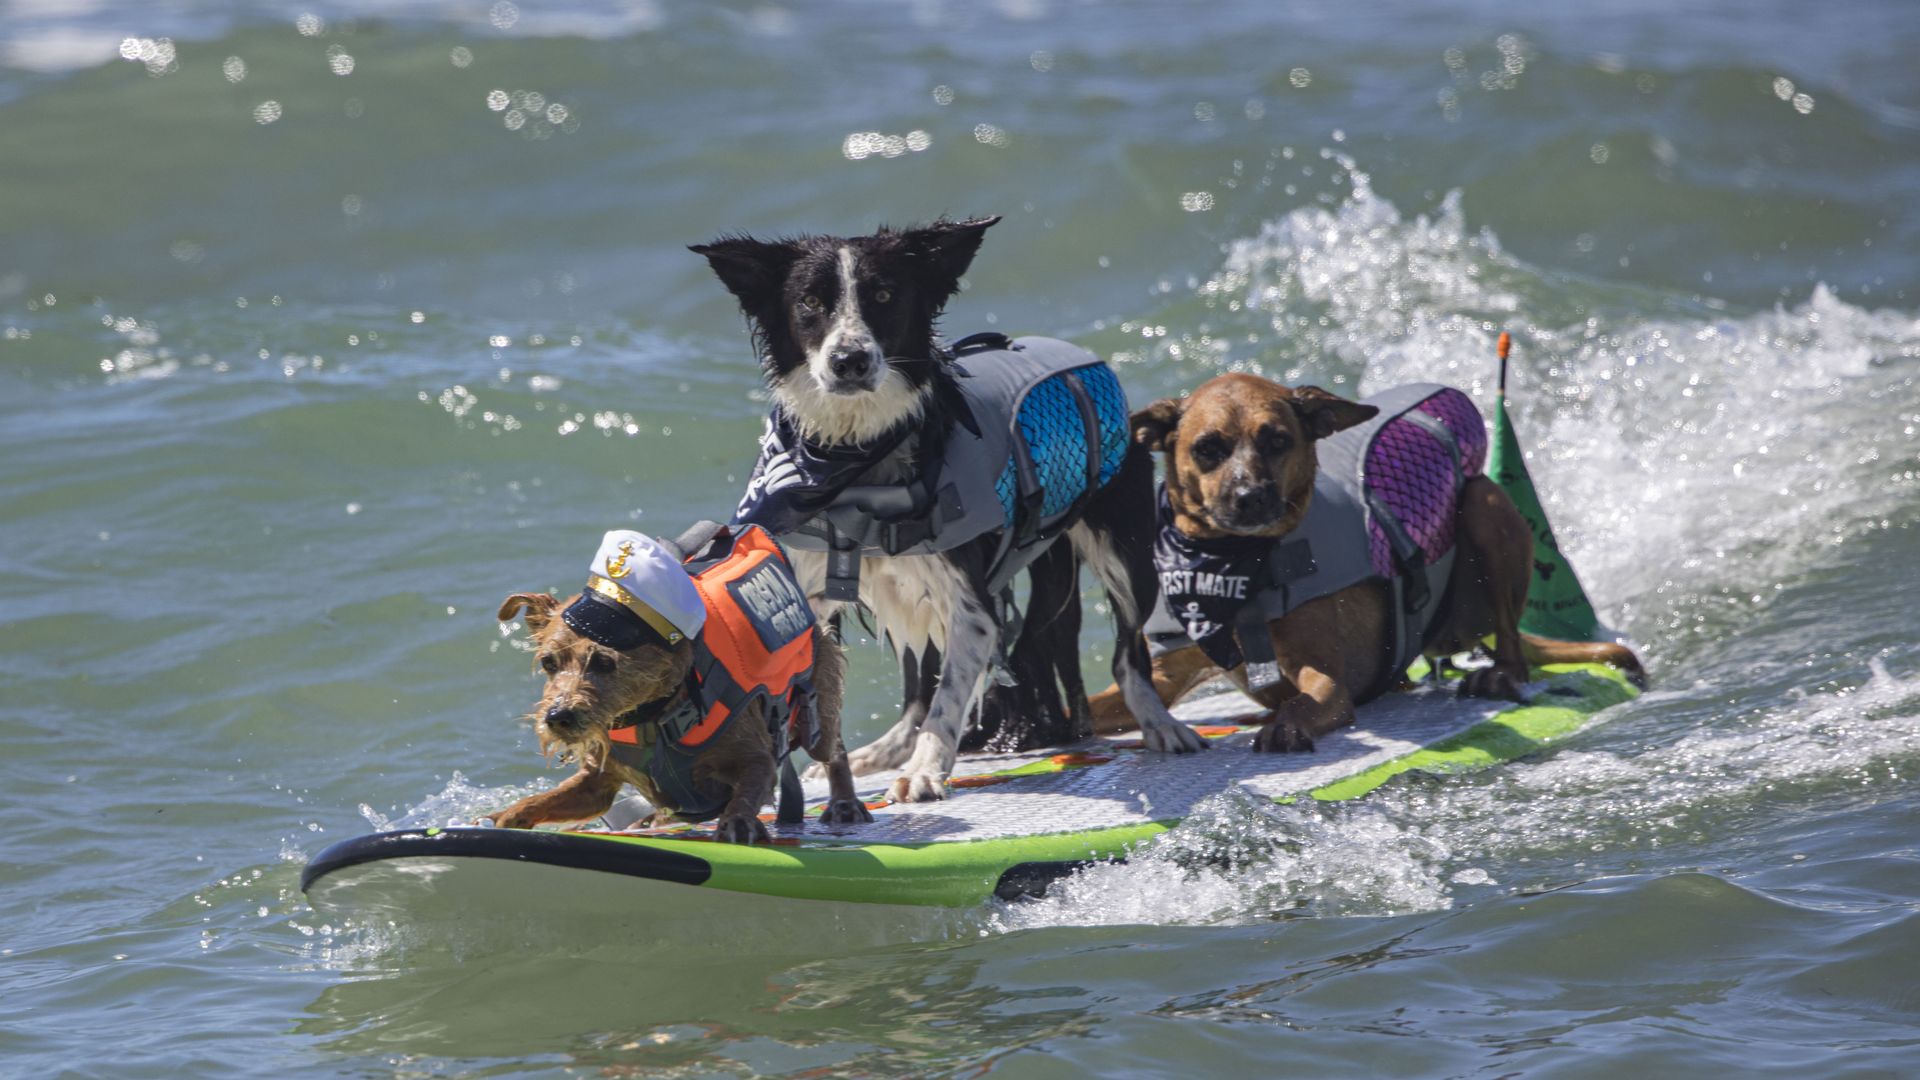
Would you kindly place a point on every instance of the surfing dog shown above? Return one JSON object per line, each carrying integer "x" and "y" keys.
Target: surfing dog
{"x": 684, "y": 679}
{"x": 1241, "y": 472}
{"x": 863, "y": 391}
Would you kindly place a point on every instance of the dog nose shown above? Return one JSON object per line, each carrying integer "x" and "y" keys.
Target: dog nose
{"x": 560, "y": 716}
{"x": 852, "y": 364}
{"x": 1256, "y": 501}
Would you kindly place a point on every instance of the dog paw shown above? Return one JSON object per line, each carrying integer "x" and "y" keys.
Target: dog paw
{"x": 742, "y": 830}
{"x": 505, "y": 819}
{"x": 1492, "y": 683}
{"x": 845, "y": 812}
{"x": 1172, "y": 738}
{"x": 918, "y": 787}
{"x": 1283, "y": 737}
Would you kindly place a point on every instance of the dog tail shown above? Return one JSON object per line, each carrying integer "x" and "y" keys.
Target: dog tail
{"x": 1539, "y": 650}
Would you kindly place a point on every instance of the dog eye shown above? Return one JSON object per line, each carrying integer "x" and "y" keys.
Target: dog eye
{"x": 1209, "y": 450}
{"x": 810, "y": 303}
{"x": 548, "y": 664}
{"x": 600, "y": 663}
{"x": 882, "y": 296}
{"x": 1275, "y": 442}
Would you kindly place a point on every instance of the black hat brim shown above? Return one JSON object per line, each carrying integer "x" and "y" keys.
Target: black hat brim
{"x": 606, "y": 622}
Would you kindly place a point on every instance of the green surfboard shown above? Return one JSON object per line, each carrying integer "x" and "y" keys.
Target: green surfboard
{"x": 1012, "y": 824}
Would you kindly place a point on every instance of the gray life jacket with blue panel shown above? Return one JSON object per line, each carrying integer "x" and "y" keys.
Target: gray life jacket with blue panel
{"x": 1384, "y": 503}
{"x": 1040, "y": 425}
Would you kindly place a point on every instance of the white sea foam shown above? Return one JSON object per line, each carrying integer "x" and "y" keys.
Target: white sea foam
{"x": 1240, "y": 858}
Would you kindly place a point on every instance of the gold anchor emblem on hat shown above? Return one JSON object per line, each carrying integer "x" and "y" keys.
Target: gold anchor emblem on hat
{"x": 617, "y": 566}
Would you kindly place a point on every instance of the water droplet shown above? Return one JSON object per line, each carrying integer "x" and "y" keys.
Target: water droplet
{"x": 266, "y": 112}
{"x": 989, "y": 135}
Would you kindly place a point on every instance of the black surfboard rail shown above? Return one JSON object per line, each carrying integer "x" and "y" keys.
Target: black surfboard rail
{"x": 517, "y": 845}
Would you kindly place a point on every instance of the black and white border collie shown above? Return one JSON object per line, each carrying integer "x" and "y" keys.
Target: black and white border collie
{"x": 845, "y": 332}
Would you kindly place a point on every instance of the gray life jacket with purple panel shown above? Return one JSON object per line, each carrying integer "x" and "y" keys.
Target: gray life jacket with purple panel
{"x": 1384, "y": 505}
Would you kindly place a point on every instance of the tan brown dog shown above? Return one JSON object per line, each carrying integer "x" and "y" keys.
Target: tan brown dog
{"x": 614, "y": 710}
{"x": 1241, "y": 462}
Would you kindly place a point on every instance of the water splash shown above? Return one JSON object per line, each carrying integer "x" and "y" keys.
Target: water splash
{"x": 1241, "y": 858}
{"x": 458, "y": 803}
{"x": 1425, "y": 844}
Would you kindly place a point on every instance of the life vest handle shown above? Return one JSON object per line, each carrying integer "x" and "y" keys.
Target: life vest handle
{"x": 696, "y": 538}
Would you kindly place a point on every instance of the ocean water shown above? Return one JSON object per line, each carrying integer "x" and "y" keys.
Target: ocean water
{"x": 323, "y": 328}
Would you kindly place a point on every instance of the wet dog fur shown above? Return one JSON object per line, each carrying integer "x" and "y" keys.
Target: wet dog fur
{"x": 1240, "y": 461}
{"x": 845, "y": 332}
{"x": 590, "y": 688}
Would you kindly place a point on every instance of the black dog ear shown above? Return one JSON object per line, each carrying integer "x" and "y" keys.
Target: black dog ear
{"x": 948, "y": 247}
{"x": 1322, "y": 413}
{"x": 1153, "y": 426}
{"x": 752, "y": 270}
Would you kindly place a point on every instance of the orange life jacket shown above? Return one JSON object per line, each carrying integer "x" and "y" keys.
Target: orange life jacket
{"x": 757, "y": 643}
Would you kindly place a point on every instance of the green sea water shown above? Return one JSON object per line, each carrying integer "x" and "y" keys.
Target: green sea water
{"x": 324, "y": 328}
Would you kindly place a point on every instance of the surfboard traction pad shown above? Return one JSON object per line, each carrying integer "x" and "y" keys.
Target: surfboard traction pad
{"x": 1013, "y": 821}
{"x": 1104, "y": 784}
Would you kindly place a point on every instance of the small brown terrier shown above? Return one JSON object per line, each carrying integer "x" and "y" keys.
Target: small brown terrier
{"x": 592, "y": 689}
{"x": 1238, "y": 435}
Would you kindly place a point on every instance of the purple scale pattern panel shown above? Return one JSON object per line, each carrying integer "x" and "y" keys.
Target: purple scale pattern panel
{"x": 1412, "y": 473}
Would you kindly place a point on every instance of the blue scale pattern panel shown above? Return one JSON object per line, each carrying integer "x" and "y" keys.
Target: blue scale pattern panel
{"x": 1007, "y": 487}
{"x": 1110, "y": 405}
{"x": 1056, "y": 437}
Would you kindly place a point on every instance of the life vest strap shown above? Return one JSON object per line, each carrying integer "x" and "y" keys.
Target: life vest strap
{"x": 656, "y": 719}
{"x": 793, "y": 798}
{"x": 1256, "y": 647}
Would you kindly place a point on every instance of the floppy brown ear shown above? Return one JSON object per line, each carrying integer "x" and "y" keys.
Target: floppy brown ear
{"x": 538, "y": 606}
{"x": 1153, "y": 426}
{"x": 1322, "y": 413}
{"x": 752, "y": 270}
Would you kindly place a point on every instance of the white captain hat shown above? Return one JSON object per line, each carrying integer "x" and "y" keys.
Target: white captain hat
{"x": 637, "y": 592}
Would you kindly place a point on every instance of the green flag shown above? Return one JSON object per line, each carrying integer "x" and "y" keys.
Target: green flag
{"x": 1557, "y": 607}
